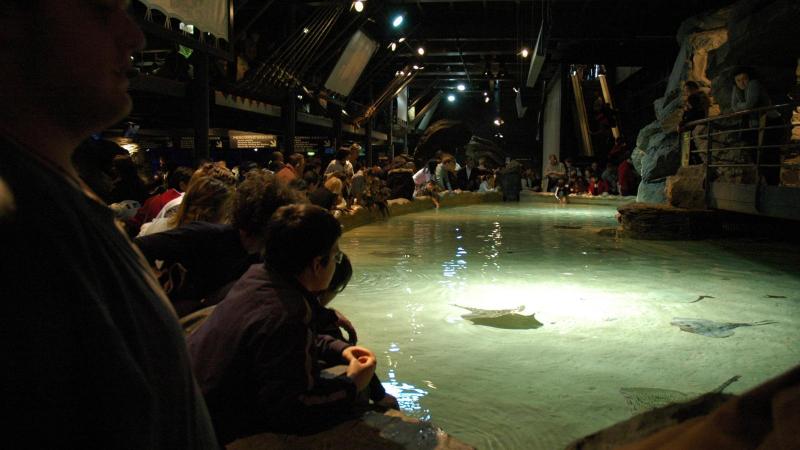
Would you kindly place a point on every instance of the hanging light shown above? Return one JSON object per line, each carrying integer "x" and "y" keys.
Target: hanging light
{"x": 516, "y": 89}
{"x": 398, "y": 20}
{"x": 305, "y": 30}
{"x": 486, "y": 100}
{"x": 421, "y": 51}
{"x": 461, "y": 87}
{"x": 392, "y": 46}
{"x": 401, "y": 40}
{"x": 524, "y": 53}
{"x": 358, "y": 5}
{"x": 451, "y": 98}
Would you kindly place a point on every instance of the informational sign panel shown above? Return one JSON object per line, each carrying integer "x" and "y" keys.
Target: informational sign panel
{"x": 244, "y": 139}
{"x": 210, "y": 16}
{"x": 304, "y": 144}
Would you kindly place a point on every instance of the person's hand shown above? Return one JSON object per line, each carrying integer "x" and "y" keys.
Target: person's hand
{"x": 345, "y": 323}
{"x": 361, "y": 365}
{"x": 388, "y": 402}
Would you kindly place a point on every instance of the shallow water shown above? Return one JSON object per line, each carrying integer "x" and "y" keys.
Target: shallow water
{"x": 605, "y": 305}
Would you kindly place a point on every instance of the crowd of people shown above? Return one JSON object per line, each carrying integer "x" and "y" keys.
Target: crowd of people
{"x": 94, "y": 354}
{"x": 564, "y": 178}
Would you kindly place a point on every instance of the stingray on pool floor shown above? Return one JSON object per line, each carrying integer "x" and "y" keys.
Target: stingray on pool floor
{"x": 710, "y": 328}
{"x": 774, "y": 296}
{"x": 509, "y": 319}
{"x": 567, "y": 227}
{"x": 700, "y": 297}
{"x": 642, "y": 399}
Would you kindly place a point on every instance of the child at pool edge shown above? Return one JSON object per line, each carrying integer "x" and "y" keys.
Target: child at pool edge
{"x": 330, "y": 321}
{"x": 562, "y": 192}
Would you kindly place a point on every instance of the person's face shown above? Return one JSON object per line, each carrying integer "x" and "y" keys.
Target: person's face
{"x": 741, "y": 80}
{"x": 553, "y": 159}
{"x": 450, "y": 166}
{"x": 79, "y": 59}
{"x": 325, "y": 273}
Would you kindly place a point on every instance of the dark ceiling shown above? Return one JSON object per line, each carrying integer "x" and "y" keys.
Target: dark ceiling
{"x": 462, "y": 37}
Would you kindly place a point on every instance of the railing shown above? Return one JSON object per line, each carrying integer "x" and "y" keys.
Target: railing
{"x": 754, "y": 154}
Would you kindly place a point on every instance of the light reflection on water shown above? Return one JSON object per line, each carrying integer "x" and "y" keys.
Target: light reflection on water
{"x": 605, "y": 304}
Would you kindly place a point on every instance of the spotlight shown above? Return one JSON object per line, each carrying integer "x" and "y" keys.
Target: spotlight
{"x": 398, "y": 20}
{"x": 461, "y": 87}
{"x": 498, "y": 121}
{"x": 306, "y": 30}
{"x": 300, "y": 97}
{"x": 416, "y": 67}
{"x": 485, "y": 94}
{"x": 524, "y": 53}
{"x": 516, "y": 90}
{"x": 485, "y": 99}
{"x": 358, "y": 5}
{"x": 401, "y": 40}
{"x": 421, "y": 51}
{"x": 451, "y": 98}
{"x": 392, "y": 46}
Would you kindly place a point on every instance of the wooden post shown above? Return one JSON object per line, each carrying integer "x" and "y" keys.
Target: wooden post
{"x": 201, "y": 106}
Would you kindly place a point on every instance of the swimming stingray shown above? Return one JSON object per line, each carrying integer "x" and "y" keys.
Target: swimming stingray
{"x": 713, "y": 329}
{"x": 509, "y": 319}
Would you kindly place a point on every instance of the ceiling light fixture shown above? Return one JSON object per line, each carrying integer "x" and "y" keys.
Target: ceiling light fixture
{"x": 524, "y": 52}
{"x": 461, "y": 87}
{"x": 358, "y": 5}
{"x": 451, "y": 98}
{"x": 392, "y": 46}
{"x": 421, "y": 51}
{"x": 398, "y": 20}
{"x": 485, "y": 99}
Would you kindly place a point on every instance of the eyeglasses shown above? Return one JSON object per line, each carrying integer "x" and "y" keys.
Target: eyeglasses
{"x": 338, "y": 257}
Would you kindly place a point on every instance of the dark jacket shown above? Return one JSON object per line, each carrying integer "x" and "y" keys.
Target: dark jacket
{"x": 255, "y": 360}
{"x": 468, "y": 183}
{"x": 401, "y": 183}
{"x": 93, "y": 355}
{"x": 211, "y": 254}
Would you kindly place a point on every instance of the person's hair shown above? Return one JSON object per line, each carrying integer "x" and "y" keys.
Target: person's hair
{"x": 276, "y": 156}
{"x": 295, "y": 159}
{"x": 743, "y": 70}
{"x": 432, "y": 165}
{"x": 341, "y": 276}
{"x": 342, "y": 154}
{"x": 179, "y": 175}
{"x": 446, "y": 158}
{"x": 296, "y": 235}
{"x": 257, "y": 198}
{"x": 207, "y": 199}
{"x": 212, "y": 170}
{"x": 334, "y": 184}
{"x": 311, "y": 178}
{"x": 692, "y": 85}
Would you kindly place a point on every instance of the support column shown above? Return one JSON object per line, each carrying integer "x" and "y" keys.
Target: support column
{"x": 390, "y": 132}
{"x": 289, "y": 113}
{"x": 336, "y": 133}
{"x": 201, "y": 106}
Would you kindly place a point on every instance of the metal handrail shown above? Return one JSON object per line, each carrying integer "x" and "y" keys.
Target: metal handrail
{"x": 713, "y": 122}
{"x": 743, "y": 112}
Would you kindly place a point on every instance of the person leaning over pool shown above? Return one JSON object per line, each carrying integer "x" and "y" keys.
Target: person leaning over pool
{"x": 329, "y": 321}
{"x": 255, "y": 357}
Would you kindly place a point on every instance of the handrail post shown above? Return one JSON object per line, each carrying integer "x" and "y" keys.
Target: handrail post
{"x": 707, "y": 164}
{"x": 762, "y": 121}
{"x": 686, "y": 147}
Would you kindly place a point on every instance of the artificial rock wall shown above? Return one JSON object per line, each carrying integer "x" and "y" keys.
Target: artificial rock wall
{"x": 757, "y": 33}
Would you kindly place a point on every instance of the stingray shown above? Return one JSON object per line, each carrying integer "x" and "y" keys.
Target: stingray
{"x": 710, "y": 328}
{"x": 775, "y": 296}
{"x": 642, "y": 399}
{"x": 566, "y": 227}
{"x": 700, "y": 297}
{"x": 509, "y": 319}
